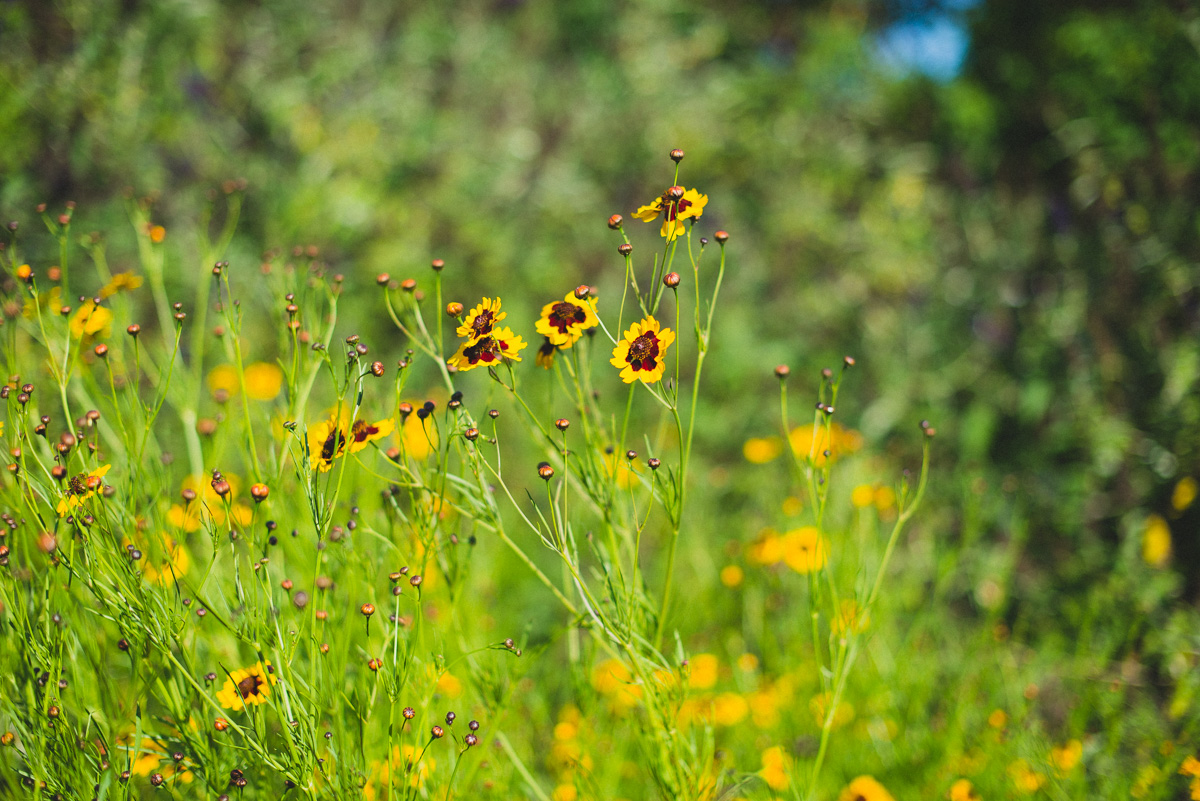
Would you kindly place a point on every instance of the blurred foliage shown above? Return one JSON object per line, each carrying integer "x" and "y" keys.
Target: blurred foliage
{"x": 1014, "y": 254}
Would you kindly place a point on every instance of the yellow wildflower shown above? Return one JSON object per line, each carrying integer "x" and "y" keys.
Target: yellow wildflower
{"x": 362, "y": 433}
{"x": 862, "y": 496}
{"x": 264, "y": 381}
{"x": 675, "y": 205}
{"x": 1156, "y": 541}
{"x": 417, "y": 438}
{"x": 481, "y": 320}
{"x": 90, "y": 320}
{"x": 80, "y": 488}
{"x": 762, "y": 450}
{"x": 814, "y": 440}
{"x": 865, "y": 788}
{"x": 1184, "y": 494}
{"x": 165, "y": 562}
{"x": 499, "y": 345}
{"x": 223, "y": 381}
{"x": 775, "y": 764}
{"x": 804, "y": 550}
{"x": 247, "y": 686}
{"x": 729, "y": 709}
{"x": 703, "y": 671}
{"x": 120, "y": 282}
{"x": 641, "y": 353}
{"x": 731, "y": 576}
{"x": 1065, "y": 757}
{"x": 326, "y": 442}
{"x": 1026, "y": 779}
{"x": 963, "y": 790}
{"x": 563, "y": 322}
{"x": 998, "y": 719}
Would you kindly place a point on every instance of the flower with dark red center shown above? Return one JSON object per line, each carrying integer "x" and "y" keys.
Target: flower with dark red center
{"x": 641, "y": 353}
{"x": 247, "y": 686}
{"x": 545, "y": 354}
{"x": 675, "y": 205}
{"x": 364, "y": 432}
{"x": 563, "y": 322}
{"x": 482, "y": 319}
{"x": 501, "y": 344}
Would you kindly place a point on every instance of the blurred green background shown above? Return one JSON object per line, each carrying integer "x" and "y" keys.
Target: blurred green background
{"x": 1008, "y": 242}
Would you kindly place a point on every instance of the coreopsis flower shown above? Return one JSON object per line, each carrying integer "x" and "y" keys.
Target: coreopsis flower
{"x": 675, "y": 205}
{"x": 481, "y": 320}
{"x": 90, "y": 320}
{"x": 326, "y": 442}
{"x": 264, "y": 381}
{"x": 563, "y": 322}
{"x": 247, "y": 687}
{"x": 166, "y": 563}
{"x": 640, "y": 354}
{"x": 363, "y": 432}
{"x": 120, "y": 282}
{"x": 490, "y": 349}
{"x": 865, "y": 788}
{"x": 79, "y": 489}
{"x": 804, "y": 550}
{"x": 545, "y": 354}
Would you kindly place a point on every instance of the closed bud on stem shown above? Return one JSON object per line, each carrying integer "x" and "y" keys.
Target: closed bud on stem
{"x": 671, "y": 280}
{"x": 721, "y": 236}
{"x": 438, "y": 265}
{"x": 614, "y": 222}
{"x": 454, "y": 309}
{"x": 676, "y": 155}
{"x": 383, "y": 279}
{"x": 259, "y": 492}
{"x": 545, "y": 471}
{"x": 782, "y": 372}
{"x": 624, "y": 248}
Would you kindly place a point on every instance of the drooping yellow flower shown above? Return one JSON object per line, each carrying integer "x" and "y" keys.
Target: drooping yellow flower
{"x": 760, "y": 450}
{"x": 165, "y": 562}
{"x": 490, "y": 349}
{"x": 675, "y": 205}
{"x": 865, "y": 788}
{"x": 804, "y": 549}
{"x": 90, "y": 320}
{"x": 481, "y": 320}
{"x": 249, "y": 686}
{"x": 264, "y": 381}
{"x": 326, "y": 442}
{"x": 363, "y": 433}
{"x": 1156, "y": 541}
{"x": 563, "y": 322}
{"x": 80, "y": 488}
{"x": 545, "y": 354}
{"x": 641, "y": 353}
{"x": 120, "y": 282}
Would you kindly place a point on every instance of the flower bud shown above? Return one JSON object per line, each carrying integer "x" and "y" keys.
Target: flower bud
{"x": 653, "y": 463}
{"x": 782, "y": 371}
{"x": 582, "y": 291}
{"x": 471, "y": 434}
{"x": 624, "y": 248}
{"x": 676, "y": 155}
{"x": 438, "y": 265}
{"x": 409, "y": 713}
{"x": 721, "y": 236}
{"x": 671, "y": 280}
{"x": 259, "y": 492}
{"x": 101, "y": 350}
{"x": 562, "y": 424}
{"x": 383, "y": 279}
{"x": 614, "y": 222}
{"x": 367, "y": 609}
{"x": 454, "y": 309}
{"x": 545, "y": 471}
{"x": 408, "y": 284}
{"x": 437, "y": 732}
{"x": 377, "y": 369}
{"x": 133, "y": 330}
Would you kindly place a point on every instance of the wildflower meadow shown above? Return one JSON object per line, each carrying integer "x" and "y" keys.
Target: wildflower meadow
{"x": 441, "y": 402}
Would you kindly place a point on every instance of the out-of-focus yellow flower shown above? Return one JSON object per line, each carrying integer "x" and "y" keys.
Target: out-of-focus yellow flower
{"x": 998, "y": 719}
{"x": 804, "y": 550}
{"x": 247, "y": 687}
{"x": 747, "y": 663}
{"x": 120, "y": 282}
{"x": 851, "y": 618}
{"x": 157, "y": 234}
{"x": 80, "y": 488}
{"x": 865, "y": 788}
{"x": 153, "y": 757}
{"x": 702, "y": 671}
{"x": 675, "y": 205}
{"x": 815, "y": 440}
{"x": 791, "y": 506}
{"x": 403, "y": 768}
{"x": 641, "y": 354}
{"x": 775, "y": 764}
{"x": 1026, "y": 779}
{"x": 1066, "y": 756}
{"x": 264, "y": 381}
{"x": 768, "y": 549}
{"x": 565, "y": 730}
{"x": 1156, "y": 541}
{"x": 187, "y": 520}
{"x": 89, "y": 320}
{"x": 624, "y": 472}
{"x": 760, "y": 450}
{"x": 222, "y": 381}
{"x": 164, "y": 562}
{"x": 1184, "y": 494}
{"x": 731, "y": 576}
{"x": 862, "y": 496}
{"x": 1190, "y": 767}
{"x": 449, "y": 685}
{"x": 418, "y": 439}
{"x": 885, "y": 498}
{"x": 766, "y": 702}
{"x": 565, "y": 792}
{"x": 729, "y": 709}
{"x": 612, "y": 679}
{"x": 963, "y": 790}
{"x": 819, "y": 706}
